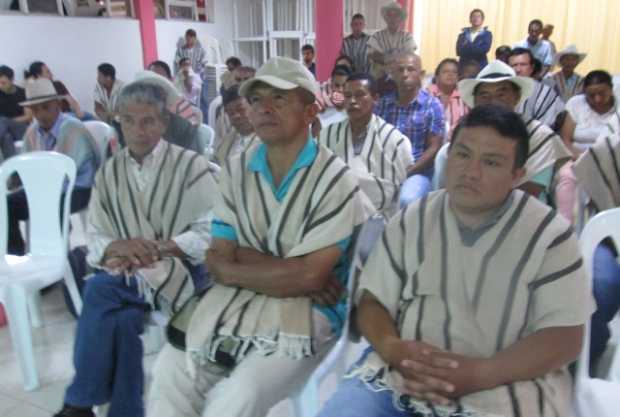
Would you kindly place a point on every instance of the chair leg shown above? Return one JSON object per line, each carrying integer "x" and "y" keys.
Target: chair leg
{"x": 21, "y": 335}
{"x": 74, "y": 293}
{"x": 34, "y": 308}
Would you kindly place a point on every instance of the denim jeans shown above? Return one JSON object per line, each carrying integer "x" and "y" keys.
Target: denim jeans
{"x": 606, "y": 275}
{"x": 108, "y": 351}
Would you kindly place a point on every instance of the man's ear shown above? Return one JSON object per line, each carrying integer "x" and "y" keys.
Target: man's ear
{"x": 517, "y": 175}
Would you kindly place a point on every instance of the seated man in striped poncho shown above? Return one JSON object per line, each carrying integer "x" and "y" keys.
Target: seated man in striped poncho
{"x": 147, "y": 234}
{"x": 475, "y": 298}
{"x": 377, "y": 152}
{"x": 281, "y": 234}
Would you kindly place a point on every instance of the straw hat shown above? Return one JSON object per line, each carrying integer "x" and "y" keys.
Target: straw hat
{"x": 149, "y": 77}
{"x": 40, "y": 90}
{"x": 570, "y": 50}
{"x": 394, "y": 6}
{"x": 495, "y": 72}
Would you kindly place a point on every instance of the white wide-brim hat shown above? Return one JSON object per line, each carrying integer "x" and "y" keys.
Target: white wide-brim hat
{"x": 172, "y": 94}
{"x": 495, "y": 72}
{"x": 394, "y": 6}
{"x": 570, "y": 50}
{"x": 40, "y": 90}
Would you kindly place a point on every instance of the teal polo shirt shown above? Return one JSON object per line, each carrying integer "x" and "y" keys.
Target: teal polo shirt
{"x": 258, "y": 163}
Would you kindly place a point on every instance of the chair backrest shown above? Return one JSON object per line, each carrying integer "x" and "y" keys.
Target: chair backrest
{"x": 44, "y": 177}
{"x": 440, "y": 166}
{"x": 104, "y": 135}
{"x": 206, "y": 136}
{"x": 604, "y": 225}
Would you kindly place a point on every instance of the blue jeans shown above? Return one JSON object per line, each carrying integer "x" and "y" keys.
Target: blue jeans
{"x": 414, "y": 188}
{"x": 606, "y": 275}
{"x": 108, "y": 351}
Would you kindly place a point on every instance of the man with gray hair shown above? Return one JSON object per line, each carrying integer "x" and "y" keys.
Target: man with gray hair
{"x": 148, "y": 230}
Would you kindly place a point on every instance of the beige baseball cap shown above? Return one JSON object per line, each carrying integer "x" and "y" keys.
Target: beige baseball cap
{"x": 284, "y": 74}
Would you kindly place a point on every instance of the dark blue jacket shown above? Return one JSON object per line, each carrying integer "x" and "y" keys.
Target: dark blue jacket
{"x": 476, "y": 50}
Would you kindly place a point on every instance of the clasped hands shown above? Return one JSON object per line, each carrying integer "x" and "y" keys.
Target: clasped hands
{"x": 434, "y": 375}
{"x": 128, "y": 255}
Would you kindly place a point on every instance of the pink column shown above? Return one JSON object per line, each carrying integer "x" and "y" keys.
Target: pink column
{"x": 146, "y": 16}
{"x": 408, "y": 5}
{"x": 328, "y": 21}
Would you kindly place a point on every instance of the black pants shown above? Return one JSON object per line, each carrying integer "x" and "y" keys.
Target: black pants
{"x": 18, "y": 210}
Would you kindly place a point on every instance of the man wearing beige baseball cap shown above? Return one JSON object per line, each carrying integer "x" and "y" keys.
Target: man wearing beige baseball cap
{"x": 53, "y": 130}
{"x": 280, "y": 234}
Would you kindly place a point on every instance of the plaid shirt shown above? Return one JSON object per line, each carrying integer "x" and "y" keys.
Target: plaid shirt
{"x": 417, "y": 120}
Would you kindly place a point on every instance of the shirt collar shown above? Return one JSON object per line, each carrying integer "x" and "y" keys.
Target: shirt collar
{"x": 55, "y": 130}
{"x": 434, "y": 90}
{"x": 152, "y": 158}
{"x": 493, "y": 218}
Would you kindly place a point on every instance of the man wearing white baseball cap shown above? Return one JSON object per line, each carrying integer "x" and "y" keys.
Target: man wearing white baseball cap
{"x": 53, "y": 130}
{"x": 281, "y": 232}
{"x": 498, "y": 84}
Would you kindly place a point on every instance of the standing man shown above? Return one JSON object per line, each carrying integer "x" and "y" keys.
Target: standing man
{"x": 307, "y": 55}
{"x": 544, "y": 104}
{"x": 474, "y": 42}
{"x": 14, "y": 119}
{"x": 541, "y": 49}
{"x": 390, "y": 40}
{"x": 566, "y": 82}
{"x": 419, "y": 116}
{"x": 376, "y": 151}
{"x": 355, "y": 45}
{"x": 191, "y": 48}
{"x": 106, "y": 94}
{"x": 475, "y": 299}
{"x": 280, "y": 236}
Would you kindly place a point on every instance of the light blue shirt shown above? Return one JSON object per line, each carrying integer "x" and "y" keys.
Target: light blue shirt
{"x": 258, "y": 163}
{"x": 542, "y": 50}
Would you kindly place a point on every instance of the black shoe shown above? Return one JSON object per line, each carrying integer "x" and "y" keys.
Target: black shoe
{"x": 71, "y": 411}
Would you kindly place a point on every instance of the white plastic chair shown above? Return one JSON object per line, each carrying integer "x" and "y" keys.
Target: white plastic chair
{"x": 207, "y": 139}
{"x": 306, "y": 402}
{"x": 440, "y": 166}
{"x": 593, "y": 396}
{"x": 21, "y": 277}
{"x": 105, "y": 136}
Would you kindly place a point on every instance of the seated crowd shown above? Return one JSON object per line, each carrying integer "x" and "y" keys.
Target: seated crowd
{"x": 474, "y": 299}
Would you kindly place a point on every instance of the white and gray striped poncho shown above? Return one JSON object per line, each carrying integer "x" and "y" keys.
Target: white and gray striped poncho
{"x": 387, "y": 43}
{"x": 322, "y": 207}
{"x": 521, "y": 275}
{"x": 544, "y": 105}
{"x": 381, "y": 167}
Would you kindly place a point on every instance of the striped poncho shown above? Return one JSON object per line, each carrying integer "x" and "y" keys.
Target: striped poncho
{"x": 321, "y": 208}
{"x": 524, "y": 273}
{"x": 231, "y": 144}
{"x": 184, "y": 188}
{"x": 544, "y": 105}
{"x": 598, "y": 168}
{"x": 381, "y": 166}
{"x": 386, "y": 43}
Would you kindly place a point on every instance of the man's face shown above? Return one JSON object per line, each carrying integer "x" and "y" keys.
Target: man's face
{"x": 238, "y": 112}
{"x": 242, "y": 75}
{"x": 46, "y": 73}
{"x": 502, "y": 94}
{"x": 186, "y": 66}
{"x": 5, "y": 84}
{"x": 143, "y": 126}
{"x": 308, "y": 56}
{"x": 190, "y": 41}
{"x": 104, "y": 81}
{"x": 476, "y": 19}
{"x": 358, "y": 100}
{"x": 393, "y": 20}
{"x": 338, "y": 82}
{"x": 534, "y": 32}
{"x": 46, "y": 113}
{"x": 569, "y": 62}
{"x": 277, "y": 115}
{"x": 407, "y": 72}
{"x": 357, "y": 26}
{"x": 522, "y": 65}
{"x": 599, "y": 97}
{"x": 480, "y": 170}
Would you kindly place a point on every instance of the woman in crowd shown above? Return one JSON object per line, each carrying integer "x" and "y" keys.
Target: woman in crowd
{"x": 444, "y": 88}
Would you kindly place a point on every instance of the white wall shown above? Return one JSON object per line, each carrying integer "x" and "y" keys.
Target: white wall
{"x": 169, "y": 32}
{"x": 72, "y": 47}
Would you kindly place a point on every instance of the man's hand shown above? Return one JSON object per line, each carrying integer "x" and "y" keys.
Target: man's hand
{"x": 425, "y": 376}
{"x": 337, "y": 98}
{"x": 468, "y": 375}
{"x": 139, "y": 253}
{"x": 330, "y": 294}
